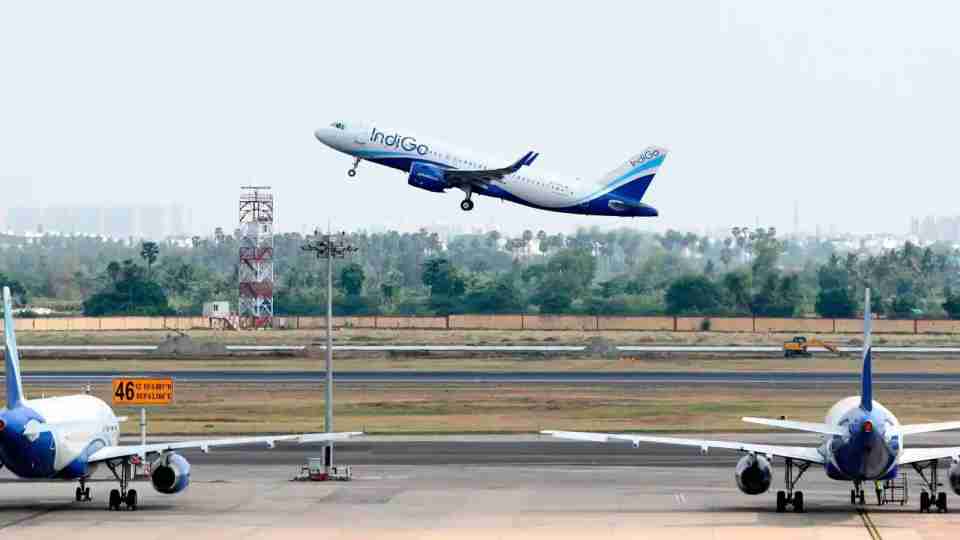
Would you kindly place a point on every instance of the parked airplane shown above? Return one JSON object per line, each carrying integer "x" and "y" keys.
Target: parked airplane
{"x": 436, "y": 166}
{"x": 862, "y": 441}
{"x": 67, "y": 438}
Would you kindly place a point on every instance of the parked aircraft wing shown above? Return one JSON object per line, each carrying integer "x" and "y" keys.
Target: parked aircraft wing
{"x": 913, "y": 429}
{"x": 812, "y": 427}
{"x": 483, "y": 177}
{"x": 916, "y": 455}
{"x": 114, "y": 452}
{"x": 794, "y": 452}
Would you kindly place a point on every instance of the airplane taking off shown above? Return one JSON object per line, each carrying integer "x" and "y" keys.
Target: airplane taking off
{"x": 67, "y": 438}
{"x": 436, "y": 167}
{"x": 862, "y": 441}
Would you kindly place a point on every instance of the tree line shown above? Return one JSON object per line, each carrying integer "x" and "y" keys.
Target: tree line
{"x": 622, "y": 272}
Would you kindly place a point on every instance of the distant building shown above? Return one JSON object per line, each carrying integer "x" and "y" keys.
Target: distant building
{"x": 153, "y": 222}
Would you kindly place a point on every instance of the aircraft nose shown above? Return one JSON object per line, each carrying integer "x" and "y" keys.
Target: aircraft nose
{"x": 322, "y": 134}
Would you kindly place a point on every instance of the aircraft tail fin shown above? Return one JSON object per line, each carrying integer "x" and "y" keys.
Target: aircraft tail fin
{"x": 634, "y": 177}
{"x": 11, "y": 355}
{"x": 866, "y": 376}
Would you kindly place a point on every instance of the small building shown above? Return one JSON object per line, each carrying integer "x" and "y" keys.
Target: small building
{"x": 216, "y": 309}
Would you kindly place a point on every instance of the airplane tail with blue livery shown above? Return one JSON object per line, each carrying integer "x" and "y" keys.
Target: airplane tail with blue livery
{"x": 634, "y": 177}
{"x": 11, "y": 356}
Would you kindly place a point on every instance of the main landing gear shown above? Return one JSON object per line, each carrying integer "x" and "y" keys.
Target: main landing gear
{"x": 122, "y": 496}
{"x": 466, "y": 204}
{"x": 353, "y": 172}
{"x": 791, "y": 497}
{"x": 83, "y": 492}
{"x": 930, "y": 497}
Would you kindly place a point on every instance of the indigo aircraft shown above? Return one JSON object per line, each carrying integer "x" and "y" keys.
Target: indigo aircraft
{"x": 437, "y": 167}
{"x": 67, "y": 438}
{"x": 862, "y": 441}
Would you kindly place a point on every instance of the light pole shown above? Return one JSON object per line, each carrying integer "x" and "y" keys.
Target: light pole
{"x": 330, "y": 247}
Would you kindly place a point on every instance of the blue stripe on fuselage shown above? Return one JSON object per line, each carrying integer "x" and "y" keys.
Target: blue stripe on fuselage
{"x": 598, "y": 206}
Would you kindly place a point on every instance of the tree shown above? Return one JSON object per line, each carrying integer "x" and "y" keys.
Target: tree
{"x": 693, "y": 294}
{"x": 17, "y": 290}
{"x": 149, "y": 251}
{"x": 133, "y": 294}
{"x": 446, "y": 285}
{"x": 951, "y": 303}
{"x": 565, "y": 277}
{"x": 113, "y": 271}
{"x": 352, "y": 278}
{"x": 496, "y": 296}
{"x": 835, "y": 298}
{"x": 738, "y": 286}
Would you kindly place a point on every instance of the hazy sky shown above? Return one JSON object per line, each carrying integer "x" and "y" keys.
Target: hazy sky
{"x": 850, "y": 108}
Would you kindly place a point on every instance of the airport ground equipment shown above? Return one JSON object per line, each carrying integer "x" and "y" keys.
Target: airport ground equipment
{"x": 316, "y": 470}
{"x": 67, "y": 438}
{"x": 861, "y": 442}
{"x": 800, "y": 346}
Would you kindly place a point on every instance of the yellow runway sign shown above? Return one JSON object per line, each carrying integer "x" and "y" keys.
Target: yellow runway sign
{"x": 131, "y": 391}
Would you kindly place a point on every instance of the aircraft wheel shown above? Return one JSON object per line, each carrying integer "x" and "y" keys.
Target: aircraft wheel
{"x": 79, "y": 494}
{"x": 924, "y": 502}
{"x": 942, "y": 502}
{"x": 132, "y": 499}
{"x": 351, "y": 173}
{"x": 781, "y": 501}
{"x": 853, "y": 496}
{"x": 466, "y": 205}
{"x": 86, "y": 494}
{"x": 798, "y": 501}
{"x": 114, "y": 499}
{"x": 862, "y": 499}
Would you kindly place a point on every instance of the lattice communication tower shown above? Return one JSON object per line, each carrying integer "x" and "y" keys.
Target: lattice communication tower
{"x": 256, "y": 277}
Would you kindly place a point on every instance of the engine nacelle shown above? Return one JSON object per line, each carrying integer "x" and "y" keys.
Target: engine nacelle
{"x": 428, "y": 177}
{"x": 753, "y": 474}
{"x": 954, "y": 476}
{"x": 170, "y": 474}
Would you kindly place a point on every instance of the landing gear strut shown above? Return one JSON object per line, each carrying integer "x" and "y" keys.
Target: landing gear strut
{"x": 466, "y": 204}
{"x": 83, "y": 492}
{"x": 791, "y": 497}
{"x": 123, "y": 495}
{"x": 353, "y": 172}
{"x": 930, "y": 497}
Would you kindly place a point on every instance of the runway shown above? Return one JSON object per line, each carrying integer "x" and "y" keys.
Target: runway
{"x": 492, "y": 377}
{"x": 414, "y": 348}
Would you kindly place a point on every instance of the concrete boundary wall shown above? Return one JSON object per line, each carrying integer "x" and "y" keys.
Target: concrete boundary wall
{"x": 585, "y": 323}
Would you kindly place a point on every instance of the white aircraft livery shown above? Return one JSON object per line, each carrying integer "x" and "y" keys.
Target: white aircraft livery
{"x": 862, "y": 441}
{"x": 67, "y": 438}
{"x": 436, "y": 167}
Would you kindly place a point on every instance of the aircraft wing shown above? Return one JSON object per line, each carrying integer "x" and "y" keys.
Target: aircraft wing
{"x": 801, "y": 453}
{"x": 913, "y": 429}
{"x": 483, "y": 177}
{"x": 812, "y": 427}
{"x": 915, "y": 455}
{"x": 114, "y": 452}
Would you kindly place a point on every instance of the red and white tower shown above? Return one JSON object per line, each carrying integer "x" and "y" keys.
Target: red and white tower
{"x": 255, "y": 306}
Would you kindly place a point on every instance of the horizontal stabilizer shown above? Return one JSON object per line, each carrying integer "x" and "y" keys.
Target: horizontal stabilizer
{"x": 812, "y": 427}
{"x": 913, "y": 429}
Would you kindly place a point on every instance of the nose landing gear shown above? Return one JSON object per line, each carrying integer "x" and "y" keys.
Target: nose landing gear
{"x": 466, "y": 205}
{"x": 353, "y": 172}
{"x": 83, "y": 492}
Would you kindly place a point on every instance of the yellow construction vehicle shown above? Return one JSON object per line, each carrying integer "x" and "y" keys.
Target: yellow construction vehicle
{"x": 800, "y": 346}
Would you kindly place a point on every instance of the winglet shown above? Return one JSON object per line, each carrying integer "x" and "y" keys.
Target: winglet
{"x": 527, "y": 159}
{"x": 11, "y": 356}
{"x": 866, "y": 377}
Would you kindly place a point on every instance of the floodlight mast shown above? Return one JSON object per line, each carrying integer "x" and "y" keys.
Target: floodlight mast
{"x": 330, "y": 247}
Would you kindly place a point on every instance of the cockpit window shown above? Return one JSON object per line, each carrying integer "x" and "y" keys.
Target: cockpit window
{"x": 338, "y": 125}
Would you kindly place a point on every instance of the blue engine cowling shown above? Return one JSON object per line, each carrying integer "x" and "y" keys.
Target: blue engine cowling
{"x": 428, "y": 177}
{"x": 170, "y": 474}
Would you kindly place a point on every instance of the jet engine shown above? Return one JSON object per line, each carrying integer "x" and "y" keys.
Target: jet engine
{"x": 753, "y": 474}
{"x": 954, "y": 476}
{"x": 170, "y": 473}
{"x": 428, "y": 177}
